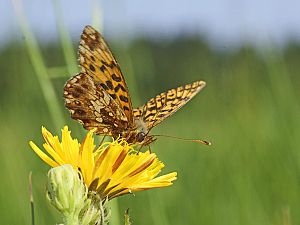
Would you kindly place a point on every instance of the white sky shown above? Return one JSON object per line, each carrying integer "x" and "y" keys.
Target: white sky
{"x": 220, "y": 21}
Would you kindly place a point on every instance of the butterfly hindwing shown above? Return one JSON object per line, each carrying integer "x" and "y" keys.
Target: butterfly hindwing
{"x": 92, "y": 106}
{"x": 167, "y": 103}
{"x": 97, "y": 61}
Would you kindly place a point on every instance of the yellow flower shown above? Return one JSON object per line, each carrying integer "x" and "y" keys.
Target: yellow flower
{"x": 113, "y": 169}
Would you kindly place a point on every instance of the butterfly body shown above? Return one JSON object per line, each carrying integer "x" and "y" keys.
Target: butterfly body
{"x": 140, "y": 133}
{"x": 98, "y": 96}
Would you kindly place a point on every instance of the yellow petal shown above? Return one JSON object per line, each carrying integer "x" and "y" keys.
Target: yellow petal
{"x": 70, "y": 147}
{"x": 42, "y": 155}
{"x": 53, "y": 141}
{"x": 86, "y": 161}
{"x": 53, "y": 154}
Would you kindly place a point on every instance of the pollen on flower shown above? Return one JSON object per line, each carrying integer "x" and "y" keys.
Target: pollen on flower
{"x": 113, "y": 169}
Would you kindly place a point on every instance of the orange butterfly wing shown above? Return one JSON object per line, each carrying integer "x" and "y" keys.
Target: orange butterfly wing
{"x": 93, "y": 107}
{"x": 167, "y": 103}
{"x": 97, "y": 61}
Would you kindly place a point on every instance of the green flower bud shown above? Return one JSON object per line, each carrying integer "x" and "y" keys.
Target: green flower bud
{"x": 65, "y": 190}
{"x": 70, "y": 196}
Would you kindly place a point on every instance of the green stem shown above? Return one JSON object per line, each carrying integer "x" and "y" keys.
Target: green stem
{"x": 39, "y": 66}
{"x": 97, "y": 15}
{"x": 65, "y": 39}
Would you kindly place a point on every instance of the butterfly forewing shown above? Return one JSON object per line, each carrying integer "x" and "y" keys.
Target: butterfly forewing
{"x": 97, "y": 61}
{"x": 92, "y": 106}
{"x": 167, "y": 103}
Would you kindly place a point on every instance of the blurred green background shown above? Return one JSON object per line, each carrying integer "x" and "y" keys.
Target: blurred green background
{"x": 249, "y": 111}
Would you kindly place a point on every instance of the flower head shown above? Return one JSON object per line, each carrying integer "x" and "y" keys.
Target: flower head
{"x": 113, "y": 169}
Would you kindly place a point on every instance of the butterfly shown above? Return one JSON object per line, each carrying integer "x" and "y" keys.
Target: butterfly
{"x": 98, "y": 96}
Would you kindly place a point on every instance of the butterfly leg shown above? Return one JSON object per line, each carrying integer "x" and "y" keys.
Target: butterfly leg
{"x": 103, "y": 138}
{"x": 140, "y": 149}
{"x": 150, "y": 149}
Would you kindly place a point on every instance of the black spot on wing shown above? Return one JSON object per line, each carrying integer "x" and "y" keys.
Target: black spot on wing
{"x": 80, "y": 112}
{"x": 123, "y": 98}
{"x": 85, "y": 86}
{"x": 125, "y": 108}
{"x": 104, "y": 86}
{"x": 118, "y": 87}
{"x": 149, "y": 115}
{"x": 113, "y": 96}
{"x": 78, "y": 90}
{"x": 102, "y": 68}
{"x": 92, "y": 68}
{"x": 109, "y": 84}
{"x": 116, "y": 78}
{"x": 75, "y": 94}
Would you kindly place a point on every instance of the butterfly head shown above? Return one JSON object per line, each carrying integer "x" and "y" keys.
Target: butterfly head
{"x": 139, "y": 137}
{"x": 144, "y": 139}
{"x": 138, "y": 134}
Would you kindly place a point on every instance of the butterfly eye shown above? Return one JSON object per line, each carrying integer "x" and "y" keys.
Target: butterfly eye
{"x": 140, "y": 136}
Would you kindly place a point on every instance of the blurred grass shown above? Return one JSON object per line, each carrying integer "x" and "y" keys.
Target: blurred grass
{"x": 249, "y": 111}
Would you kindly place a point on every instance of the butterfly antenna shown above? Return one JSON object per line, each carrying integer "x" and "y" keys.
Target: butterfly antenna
{"x": 184, "y": 139}
{"x": 31, "y": 197}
